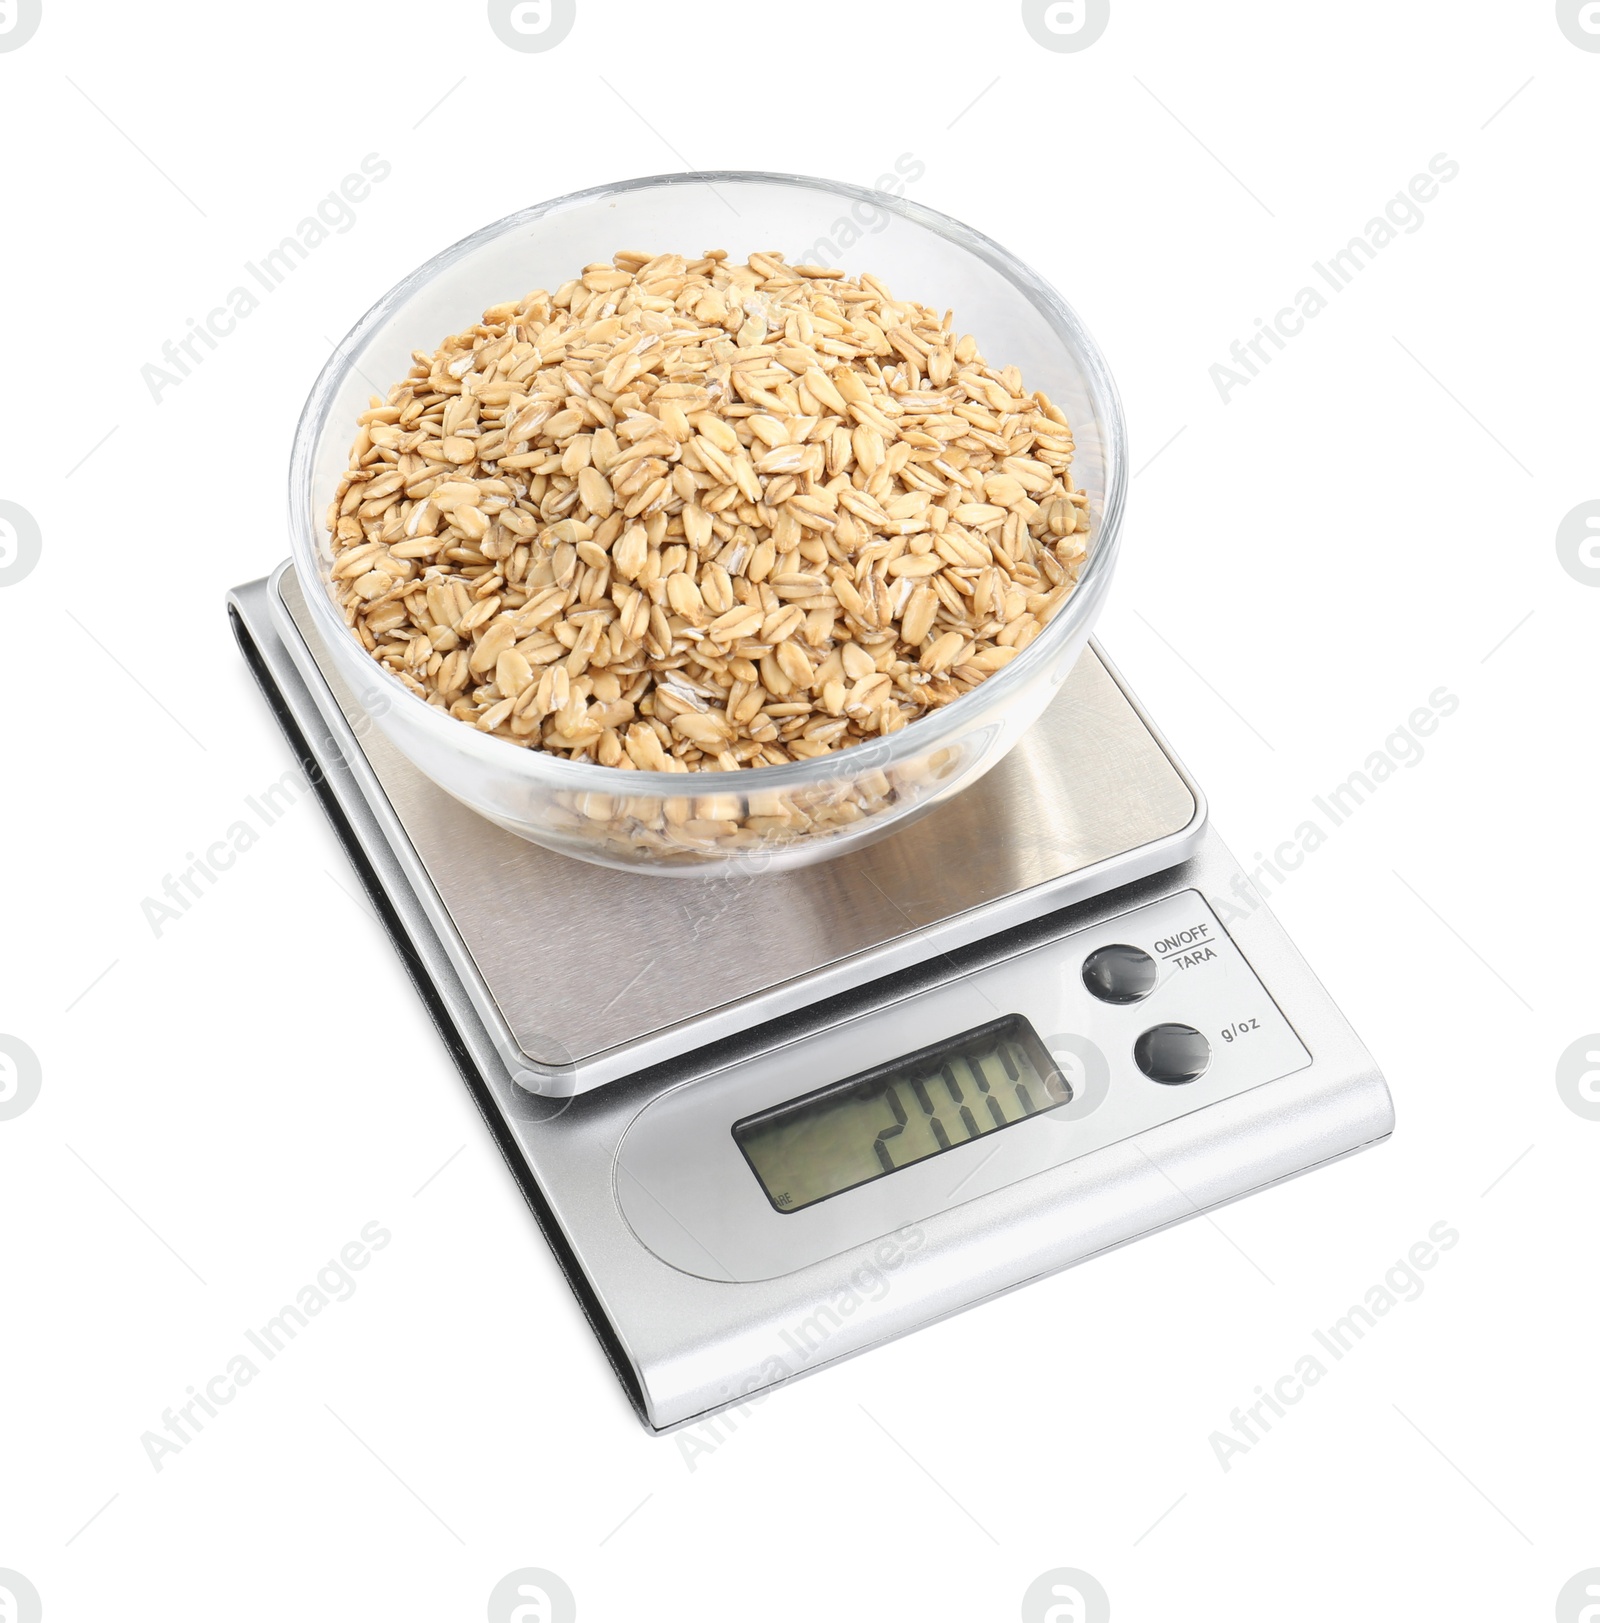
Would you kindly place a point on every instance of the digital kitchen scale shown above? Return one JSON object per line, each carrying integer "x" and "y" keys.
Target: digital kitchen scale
{"x": 770, "y": 1122}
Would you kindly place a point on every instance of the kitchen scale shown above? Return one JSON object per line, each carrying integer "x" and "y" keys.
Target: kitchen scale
{"x": 766, "y": 1123}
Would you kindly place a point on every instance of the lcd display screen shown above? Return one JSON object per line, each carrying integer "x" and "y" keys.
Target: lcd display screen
{"x": 897, "y": 1114}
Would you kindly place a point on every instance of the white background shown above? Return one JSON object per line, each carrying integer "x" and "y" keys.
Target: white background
{"x": 1374, "y": 517}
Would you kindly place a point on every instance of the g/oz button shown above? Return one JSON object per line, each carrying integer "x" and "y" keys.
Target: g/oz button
{"x": 1172, "y": 1054}
{"x": 1120, "y": 974}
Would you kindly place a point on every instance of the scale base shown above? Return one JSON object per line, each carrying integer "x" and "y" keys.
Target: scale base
{"x": 690, "y": 1337}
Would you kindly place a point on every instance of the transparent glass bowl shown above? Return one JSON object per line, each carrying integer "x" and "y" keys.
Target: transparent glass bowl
{"x": 764, "y": 818}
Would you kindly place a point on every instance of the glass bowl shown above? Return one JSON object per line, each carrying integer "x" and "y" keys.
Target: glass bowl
{"x": 761, "y": 818}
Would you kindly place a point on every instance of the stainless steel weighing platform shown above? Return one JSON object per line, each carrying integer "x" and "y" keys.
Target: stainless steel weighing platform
{"x": 1056, "y": 999}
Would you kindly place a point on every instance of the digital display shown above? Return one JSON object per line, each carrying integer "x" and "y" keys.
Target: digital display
{"x": 899, "y": 1113}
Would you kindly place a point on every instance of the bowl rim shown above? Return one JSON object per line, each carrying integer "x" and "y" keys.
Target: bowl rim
{"x": 928, "y": 731}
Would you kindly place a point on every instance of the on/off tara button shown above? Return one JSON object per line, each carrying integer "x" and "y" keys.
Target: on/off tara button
{"x": 1120, "y": 974}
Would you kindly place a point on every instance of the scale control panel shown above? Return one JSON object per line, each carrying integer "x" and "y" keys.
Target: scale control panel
{"x": 939, "y": 1098}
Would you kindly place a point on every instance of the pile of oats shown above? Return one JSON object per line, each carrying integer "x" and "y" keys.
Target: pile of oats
{"x": 687, "y": 515}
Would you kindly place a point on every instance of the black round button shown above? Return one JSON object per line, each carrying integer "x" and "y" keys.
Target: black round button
{"x": 1172, "y": 1054}
{"x": 1120, "y": 974}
